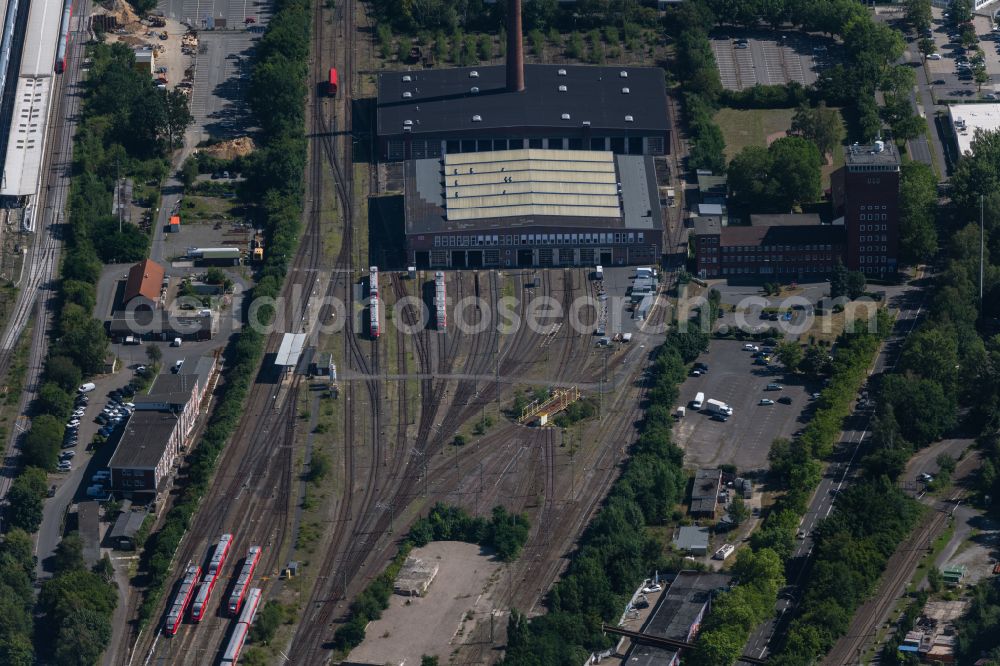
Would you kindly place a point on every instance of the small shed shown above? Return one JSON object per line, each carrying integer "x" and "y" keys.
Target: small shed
{"x": 123, "y": 533}
{"x": 145, "y": 61}
{"x": 952, "y": 576}
{"x": 692, "y": 539}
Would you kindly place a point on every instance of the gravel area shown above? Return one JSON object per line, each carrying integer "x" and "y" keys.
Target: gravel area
{"x": 459, "y": 597}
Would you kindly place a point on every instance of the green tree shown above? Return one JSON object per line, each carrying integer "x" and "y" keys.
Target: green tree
{"x": 707, "y": 151}
{"x": 821, "y": 125}
{"x": 269, "y": 618}
{"x": 41, "y": 444}
{"x": 960, "y": 11}
{"x": 856, "y": 284}
{"x": 154, "y": 353}
{"x": 427, "y": 660}
{"x": 838, "y": 281}
{"x": 796, "y": 168}
{"x": 927, "y": 46}
{"x": 816, "y": 362}
{"x": 738, "y": 511}
{"x": 178, "y": 116}
{"x": 68, "y": 555}
{"x": 25, "y": 499}
{"x": 82, "y": 637}
{"x": 790, "y": 354}
{"x": 918, "y": 205}
{"x": 980, "y": 75}
{"x": 749, "y": 177}
{"x": 918, "y": 14}
{"x": 189, "y": 171}
{"x": 62, "y": 371}
{"x": 52, "y": 399}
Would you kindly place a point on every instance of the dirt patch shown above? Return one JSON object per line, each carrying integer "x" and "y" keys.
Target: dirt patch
{"x": 435, "y": 624}
{"x": 241, "y": 146}
{"x": 774, "y": 136}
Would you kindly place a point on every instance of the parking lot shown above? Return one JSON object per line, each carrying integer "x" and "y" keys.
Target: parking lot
{"x": 222, "y": 70}
{"x": 745, "y": 439}
{"x": 945, "y": 74}
{"x": 769, "y": 58}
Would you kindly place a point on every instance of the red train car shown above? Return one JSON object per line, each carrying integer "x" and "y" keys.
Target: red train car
{"x": 244, "y": 580}
{"x": 181, "y": 600}
{"x": 211, "y": 576}
{"x": 64, "y": 37}
{"x": 331, "y": 84}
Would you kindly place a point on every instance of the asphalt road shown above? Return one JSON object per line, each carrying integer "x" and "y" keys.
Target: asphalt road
{"x": 908, "y": 300}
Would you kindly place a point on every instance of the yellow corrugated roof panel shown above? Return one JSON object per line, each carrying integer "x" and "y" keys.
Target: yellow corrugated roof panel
{"x": 532, "y": 210}
{"x": 531, "y": 182}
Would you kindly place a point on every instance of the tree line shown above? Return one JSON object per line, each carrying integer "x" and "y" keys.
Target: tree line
{"x": 275, "y": 185}
{"x": 503, "y": 532}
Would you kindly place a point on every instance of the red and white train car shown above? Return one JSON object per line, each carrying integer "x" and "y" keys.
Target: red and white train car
{"x": 235, "y": 645}
{"x": 440, "y": 301}
{"x": 243, "y": 580}
{"x": 374, "y": 319}
{"x": 331, "y": 83}
{"x": 181, "y": 600}
{"x": 211, "y": 576}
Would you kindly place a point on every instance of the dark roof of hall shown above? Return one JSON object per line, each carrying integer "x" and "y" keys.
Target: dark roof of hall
{"x": 442, "y": 100}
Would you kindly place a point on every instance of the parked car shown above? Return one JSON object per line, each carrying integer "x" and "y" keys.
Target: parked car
{"x": 87, "y": 388}
{"x": 766, "y": 401}
{"x": 774, "y": 387}
{"x": 785, "y": 400}
{"x": 933, "y": 56}
{"x": 751, "y": 347}
{"x": 66, "y": 455}
{"x": 719, "y": 417}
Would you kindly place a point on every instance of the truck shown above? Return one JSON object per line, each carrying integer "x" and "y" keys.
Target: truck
{"x": 718, "y": 407}
{"x": 724, "y": 552}
{"x": 699, "y": 401}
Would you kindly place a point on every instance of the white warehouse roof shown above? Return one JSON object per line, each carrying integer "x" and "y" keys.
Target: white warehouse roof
{"x": 290, "y": 349}
{"x": 23, "y": 162}
{"x": 967, "y": 118}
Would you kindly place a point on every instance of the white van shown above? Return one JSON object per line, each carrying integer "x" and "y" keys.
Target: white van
{"x": 699, "y": 401}
{"x": 87, "y": 388}
{"x": 176, "y": 342}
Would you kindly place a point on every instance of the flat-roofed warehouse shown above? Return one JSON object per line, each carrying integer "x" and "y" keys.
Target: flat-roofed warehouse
{"x": 427, "y": 113}
{"x": 532, "y": 207}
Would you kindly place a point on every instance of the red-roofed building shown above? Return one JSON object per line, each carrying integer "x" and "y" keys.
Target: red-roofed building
{"x": 142, "y": 288}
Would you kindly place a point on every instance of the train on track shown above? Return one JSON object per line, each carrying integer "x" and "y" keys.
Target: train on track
{"x": 440, "y": 301}
{"x": 331, "y": 83}
{"x": 374, "y": 326}
{"x": 235, "y": 645}
{"x": 64, "y": 37}
{"x": 243, "y": 580}
{"x": 181, "y": 600}
{"x": 211, "y": 576}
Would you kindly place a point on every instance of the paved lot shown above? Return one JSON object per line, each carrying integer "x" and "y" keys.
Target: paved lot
{"x": 459, "y": 597}
{"x": 944, "y": 73}
{"x": 745, "y": 439}
{"x": 771, "y": 59}
{"x": 222, "y": 70}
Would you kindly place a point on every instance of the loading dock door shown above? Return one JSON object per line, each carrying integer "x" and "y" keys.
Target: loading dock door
{"x": 458, "y": 258}
{"x": 475, "y": 258}
{"x": 524, "y": 258}
{"x": 605, "y": 258}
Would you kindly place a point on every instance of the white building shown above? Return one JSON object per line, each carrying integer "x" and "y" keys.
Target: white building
{"x": 967, "y": 118}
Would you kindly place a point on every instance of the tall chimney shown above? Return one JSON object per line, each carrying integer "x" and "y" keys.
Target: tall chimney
{"x": 515, "y": 48}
